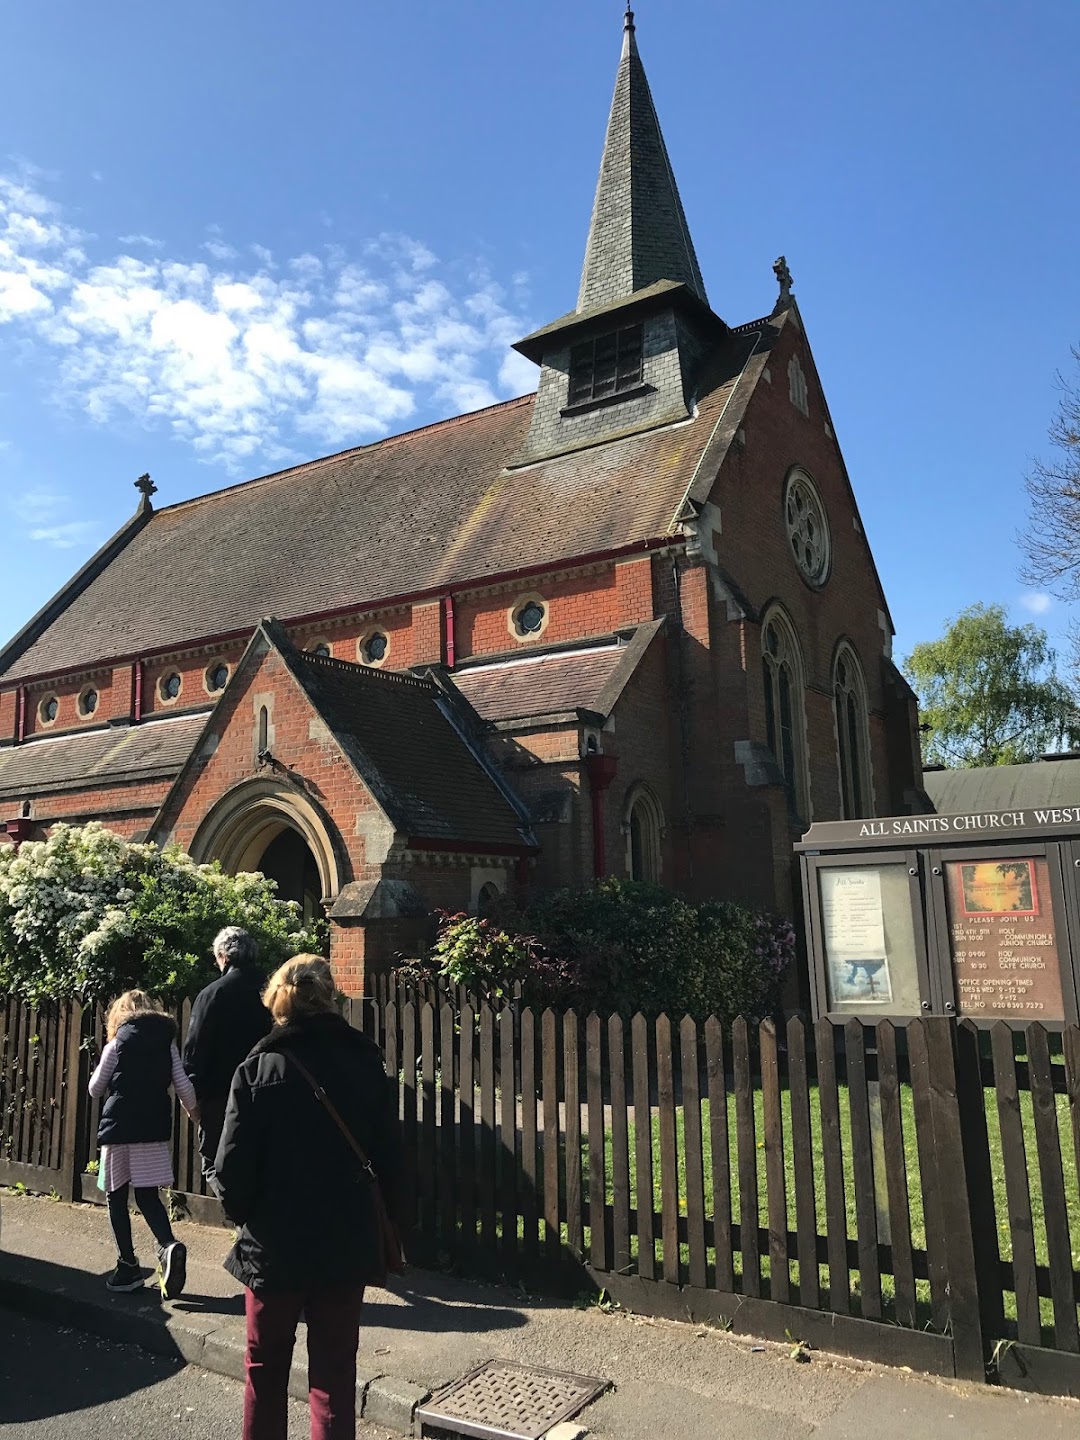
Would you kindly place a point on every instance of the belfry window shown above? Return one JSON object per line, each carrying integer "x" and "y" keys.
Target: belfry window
{"x": 781, "y": 667}
{"x": 606, "y": 366}
{"x": 852, "y": 735}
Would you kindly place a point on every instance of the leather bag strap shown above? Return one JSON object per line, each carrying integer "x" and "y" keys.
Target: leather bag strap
{"x": 331, "y": 1110}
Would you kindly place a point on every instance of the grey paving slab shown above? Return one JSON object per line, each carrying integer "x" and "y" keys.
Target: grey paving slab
{"x": 671, "y": 1379}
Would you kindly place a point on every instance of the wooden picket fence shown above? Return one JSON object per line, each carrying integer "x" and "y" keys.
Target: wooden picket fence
{"x": 906, "y": 1193}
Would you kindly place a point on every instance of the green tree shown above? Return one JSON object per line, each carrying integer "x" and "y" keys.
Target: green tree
{"x": 88, "y": 914}
{"x": 990, "y": 693}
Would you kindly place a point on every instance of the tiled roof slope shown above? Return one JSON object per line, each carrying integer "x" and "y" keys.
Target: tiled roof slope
{"x": 395, "y": 730}
{"x": 541, "y": 685}
{"x": 554, "y": 683}
{"x": 68, "y": 762}
{"x": 416, "y": 512}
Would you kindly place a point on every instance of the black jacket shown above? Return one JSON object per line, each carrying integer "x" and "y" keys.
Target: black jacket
{"x": 227, "y": 1021}
{"x": 289, "y": 1178}
{"x": 138, "y": 1107}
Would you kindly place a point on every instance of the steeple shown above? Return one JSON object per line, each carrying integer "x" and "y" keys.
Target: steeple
{"x": 639, "y": 233}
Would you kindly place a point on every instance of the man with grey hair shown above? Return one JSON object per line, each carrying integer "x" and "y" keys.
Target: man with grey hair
{"x": 227, "y": 1021}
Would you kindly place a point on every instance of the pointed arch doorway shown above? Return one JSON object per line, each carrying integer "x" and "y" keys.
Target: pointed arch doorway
{"x": 267, "y": 826}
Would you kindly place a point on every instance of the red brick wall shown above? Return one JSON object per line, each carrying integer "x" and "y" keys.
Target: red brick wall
{"x": 579, "y": 605}
{"x": 754, "y": 549}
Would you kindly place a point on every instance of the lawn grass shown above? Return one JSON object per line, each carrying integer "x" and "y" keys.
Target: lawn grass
{"x": 914, "y": 1186}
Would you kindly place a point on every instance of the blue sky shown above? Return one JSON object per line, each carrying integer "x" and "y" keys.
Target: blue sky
{"x": 235, "y": 236}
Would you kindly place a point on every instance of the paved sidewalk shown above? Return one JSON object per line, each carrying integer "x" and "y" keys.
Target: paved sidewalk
{"x": 670, "y": 1380}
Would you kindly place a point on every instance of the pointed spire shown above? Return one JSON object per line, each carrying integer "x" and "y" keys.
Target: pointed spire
{"x": 639, "y": 233}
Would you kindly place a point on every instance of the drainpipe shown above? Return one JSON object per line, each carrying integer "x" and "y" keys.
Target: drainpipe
{"x": 136, "y": 691}
{"x": 20, "y": 716}
{"x": 449, "y": 633}
{"x": 601, "y": 770}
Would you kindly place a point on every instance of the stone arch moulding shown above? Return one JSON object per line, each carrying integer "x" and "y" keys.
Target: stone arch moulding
{"x": 240, "y": 825}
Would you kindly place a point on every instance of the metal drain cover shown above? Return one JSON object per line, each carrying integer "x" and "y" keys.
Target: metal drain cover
{"x": 500, "y": 1401}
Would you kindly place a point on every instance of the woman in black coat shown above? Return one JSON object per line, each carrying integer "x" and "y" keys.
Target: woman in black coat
{"x": 308, "y": 1239}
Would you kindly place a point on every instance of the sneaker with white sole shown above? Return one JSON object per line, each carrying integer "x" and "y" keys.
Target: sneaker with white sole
{"x": 125, "y": 1278}
{"x": 173, "y": 1269}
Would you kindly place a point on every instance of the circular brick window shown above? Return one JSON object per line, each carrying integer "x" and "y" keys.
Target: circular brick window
{"x": 807, "y": 528}
{"x": 88, "y": 701}
{"x": 49, "y": 709}
{"x": 217, "y": 677}
{"x": 529, "y": 617}
{"x": 170, "y": 685}
{"x": 321, "y": 649}
{"x": 374, "y": 647}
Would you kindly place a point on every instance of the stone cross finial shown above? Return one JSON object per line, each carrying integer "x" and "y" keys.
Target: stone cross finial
{"x": 783, "y": 279}
{"x": 145, "y": 487}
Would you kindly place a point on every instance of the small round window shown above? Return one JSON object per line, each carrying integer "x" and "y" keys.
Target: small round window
{"x": 88, "y": 701}
{"x": 170, "y": 685}
{"x": 530, "y": 617}
{"x": 49, "y": 709}
{"x": 807, "y": 528}
{"x": 322, "y": 650}
{"x": 373, "y": 648}
{"x": 217, "y": 677}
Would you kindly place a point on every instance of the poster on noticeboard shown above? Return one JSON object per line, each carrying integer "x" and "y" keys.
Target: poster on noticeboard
{"x": 854, "y": 925}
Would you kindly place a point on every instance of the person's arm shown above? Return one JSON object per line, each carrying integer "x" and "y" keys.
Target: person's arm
{"x": 185, "y": 1091}
{"x": 199, "y": 1041}
{"x": 102, "y": 1076}
{"x": 236, "y": 1166}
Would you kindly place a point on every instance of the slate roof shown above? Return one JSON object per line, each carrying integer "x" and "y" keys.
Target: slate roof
{"x": 419, "y": 512}
{"x": 1049, "y": 783}
{"x": 639, "y": 232}
{"x": 398, "y": 734}
{"x": 155, "y": 749}
{"x": 557, "y": 682}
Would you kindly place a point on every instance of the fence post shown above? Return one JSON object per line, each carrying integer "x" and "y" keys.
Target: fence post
{"x": 955, "y": 1175}
{"x": 73, "y": 1098}
{"x": 980, "y": 1181}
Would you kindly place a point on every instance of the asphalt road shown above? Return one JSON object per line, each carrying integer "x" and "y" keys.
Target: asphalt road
{"x": 56, "y": 1383}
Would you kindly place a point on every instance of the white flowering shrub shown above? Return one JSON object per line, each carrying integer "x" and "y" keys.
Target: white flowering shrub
{"x": 87, "y": 914}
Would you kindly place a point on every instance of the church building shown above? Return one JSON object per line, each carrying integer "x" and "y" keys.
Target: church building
{"x": 627, "y": 625}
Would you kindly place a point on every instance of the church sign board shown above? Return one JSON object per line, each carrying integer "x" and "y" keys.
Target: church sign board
{"x": 975, "y": 916}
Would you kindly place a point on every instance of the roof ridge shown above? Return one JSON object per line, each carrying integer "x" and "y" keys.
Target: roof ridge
{"x": 386, "y": 441}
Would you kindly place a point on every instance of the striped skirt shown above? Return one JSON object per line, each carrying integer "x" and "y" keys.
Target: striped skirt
{"x": 143, "y": 1166}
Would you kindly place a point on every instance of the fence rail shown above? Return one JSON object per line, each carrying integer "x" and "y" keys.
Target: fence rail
{"x": 907, "y": 1193}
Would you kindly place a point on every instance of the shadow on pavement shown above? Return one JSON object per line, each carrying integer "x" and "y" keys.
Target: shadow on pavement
{"x": 37, "y": 1382}
{"x": 426, "y": 1314}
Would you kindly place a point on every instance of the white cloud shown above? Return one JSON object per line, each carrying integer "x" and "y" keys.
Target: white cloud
{"x": 147, "y": 240}
{"x": 1037, "y": 603}
{"x": 66, "y": 536}
{"x": 37, "y": 513}
{"x": 244, "y": 360}
{"x": 218, "y": 250}
{"x": 34, "y": 506}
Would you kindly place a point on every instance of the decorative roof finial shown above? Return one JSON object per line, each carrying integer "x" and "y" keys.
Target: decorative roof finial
{"x": 628, "y": 22}
{"x": 146, "y": 488}
{"x": 783, "y": 279}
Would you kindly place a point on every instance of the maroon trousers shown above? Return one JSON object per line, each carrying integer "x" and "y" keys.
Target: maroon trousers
{"x": 333, "y": 1333}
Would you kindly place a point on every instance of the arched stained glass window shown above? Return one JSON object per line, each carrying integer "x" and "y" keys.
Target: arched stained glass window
{"x": 852, "y": 735}
{"x": 782, "y": 680}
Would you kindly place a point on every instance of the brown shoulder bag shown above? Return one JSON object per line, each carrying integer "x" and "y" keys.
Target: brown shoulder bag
{"x": 390, "y": 1248}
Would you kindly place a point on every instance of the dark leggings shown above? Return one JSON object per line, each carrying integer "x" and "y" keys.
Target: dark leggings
{"x": 153, "y": 1212}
